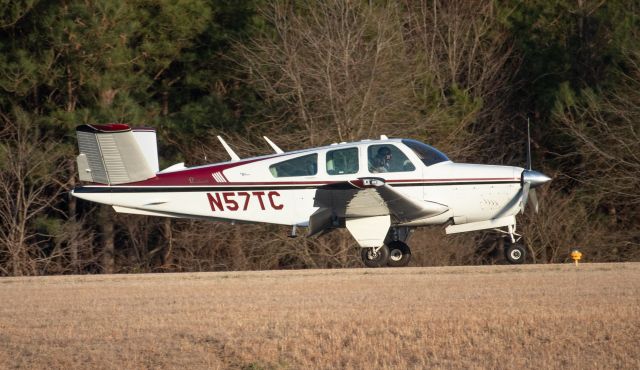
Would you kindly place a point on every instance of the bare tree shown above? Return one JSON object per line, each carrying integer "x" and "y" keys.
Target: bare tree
{"x": 605, "y": 128}
{"x": 32, "y": 178}
{"x": 603, "y": 146}
{"x": 74, "y": 244}
{"x": 460, "y": 69}
{"x": 345, "y": 70}
{"x": 333, "y": 70}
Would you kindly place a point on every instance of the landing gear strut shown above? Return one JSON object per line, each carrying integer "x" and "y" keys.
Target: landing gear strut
{"x": 514, "y": 251}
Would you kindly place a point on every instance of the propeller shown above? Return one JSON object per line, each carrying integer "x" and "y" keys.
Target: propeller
{"x": 531, "y": 179}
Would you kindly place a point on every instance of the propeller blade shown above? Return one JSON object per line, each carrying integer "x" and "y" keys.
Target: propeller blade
{"x": 533, "y": 199}
{"x": 525, "y": 196}
{"x": 530, "y": 179}
{"x": 528, "y": 145}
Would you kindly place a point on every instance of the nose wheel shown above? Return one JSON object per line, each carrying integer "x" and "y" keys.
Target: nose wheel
{"x": 515, "y": 253}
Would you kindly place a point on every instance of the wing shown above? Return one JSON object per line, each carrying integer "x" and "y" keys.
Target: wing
{"x": 368, "y": 206}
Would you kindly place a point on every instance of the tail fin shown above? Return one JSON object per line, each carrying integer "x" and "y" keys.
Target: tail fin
{"x": 115, "y": 154}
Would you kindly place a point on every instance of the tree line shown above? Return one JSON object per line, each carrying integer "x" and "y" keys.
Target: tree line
{"x": 461, "y": 75}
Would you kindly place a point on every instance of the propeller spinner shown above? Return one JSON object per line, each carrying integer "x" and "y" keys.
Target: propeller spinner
{"x": 531, "y": 179}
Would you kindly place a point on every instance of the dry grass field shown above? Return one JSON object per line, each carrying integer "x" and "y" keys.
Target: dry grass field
{"x": 534, "y": 316}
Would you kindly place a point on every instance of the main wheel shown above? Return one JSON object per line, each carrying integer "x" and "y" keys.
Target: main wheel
{"x": 373, "y": 258}
{"x": 399, "y": 254}
{"x": 515, "y": 253}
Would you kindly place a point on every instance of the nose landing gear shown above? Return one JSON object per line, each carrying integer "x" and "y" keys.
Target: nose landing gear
{"x": 514, "y": 251}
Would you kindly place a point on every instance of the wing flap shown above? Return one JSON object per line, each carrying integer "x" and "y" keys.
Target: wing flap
{"x": 320, "y": 220}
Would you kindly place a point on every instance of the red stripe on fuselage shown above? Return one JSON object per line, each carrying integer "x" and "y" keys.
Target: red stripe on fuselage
{"x": 211, "y": 182}
{"x": 191, "y": 176}
{"x": 458, "y": 180}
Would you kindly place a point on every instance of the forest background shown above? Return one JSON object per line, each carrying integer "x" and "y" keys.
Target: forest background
{"x": 460, "y": 75}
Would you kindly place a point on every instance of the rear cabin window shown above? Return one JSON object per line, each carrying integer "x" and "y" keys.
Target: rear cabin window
{"x": 342, "y": 161}
{"x": 388, "y": 158}
{"x": 306, "y": 165}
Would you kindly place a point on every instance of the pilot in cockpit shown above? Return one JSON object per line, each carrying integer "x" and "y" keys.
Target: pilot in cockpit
{"x": 382, "y": 160}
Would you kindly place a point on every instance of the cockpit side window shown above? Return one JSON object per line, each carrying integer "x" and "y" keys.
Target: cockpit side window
{"x": 388, "y": 158}
{"x": 342, "y": 161}
{"x": 427, "y": 154}
{"x": 307, "y": 165}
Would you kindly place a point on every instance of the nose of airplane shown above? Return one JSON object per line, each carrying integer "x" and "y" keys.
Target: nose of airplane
{"x": 534, "y": 178}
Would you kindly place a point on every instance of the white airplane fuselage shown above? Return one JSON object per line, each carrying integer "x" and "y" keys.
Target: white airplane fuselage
{"x": 247, "y": 191}
{"x": 378, "y": 189}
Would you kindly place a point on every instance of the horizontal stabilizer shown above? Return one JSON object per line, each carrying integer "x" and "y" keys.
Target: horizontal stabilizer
{"x": 173, "y": 168}
{"x": 112, "y": 154}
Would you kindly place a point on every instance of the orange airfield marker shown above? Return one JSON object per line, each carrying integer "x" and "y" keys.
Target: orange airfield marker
{"x": 576, "y": 256}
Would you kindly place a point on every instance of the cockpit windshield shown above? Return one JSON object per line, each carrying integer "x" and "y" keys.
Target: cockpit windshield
{"x": 427, "y": 154}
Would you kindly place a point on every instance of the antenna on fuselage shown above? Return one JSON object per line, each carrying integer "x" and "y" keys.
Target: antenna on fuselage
{"x": 273, "y": 145}
{"x": 232, "y": 154}
{"x": 528, "y": 145}
{"x": 384, "y": 137}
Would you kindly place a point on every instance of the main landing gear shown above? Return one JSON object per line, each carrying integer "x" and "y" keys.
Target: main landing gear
{"x": 393, "y": 253}
{"x": 375, "y": 257}
{"x": 399, "y": 254}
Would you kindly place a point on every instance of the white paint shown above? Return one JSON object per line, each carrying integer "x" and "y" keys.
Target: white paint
{"x": 369, "y": 231}
{"x": 482, "y": 225}
{"x": 147, "y": 140}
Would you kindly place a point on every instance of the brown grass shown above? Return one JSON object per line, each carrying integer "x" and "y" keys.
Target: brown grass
{"x": 535, "y": 316}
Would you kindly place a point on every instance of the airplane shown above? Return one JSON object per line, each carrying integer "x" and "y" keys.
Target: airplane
{"x": 379, "y": 190}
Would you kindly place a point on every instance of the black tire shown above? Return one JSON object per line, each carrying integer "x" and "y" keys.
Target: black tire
{"x": 515, "y": 253}
{"x": 399, "y": 254}
{"x": 378, "y": 259}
